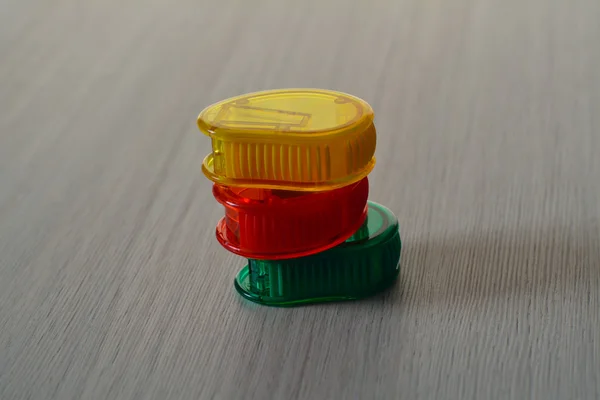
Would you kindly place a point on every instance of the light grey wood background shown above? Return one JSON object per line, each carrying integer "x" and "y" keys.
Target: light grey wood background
{"x": 112, "y": 285}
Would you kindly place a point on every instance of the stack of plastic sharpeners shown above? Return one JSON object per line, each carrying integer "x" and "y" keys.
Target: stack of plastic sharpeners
{"x": 290, "y": 167}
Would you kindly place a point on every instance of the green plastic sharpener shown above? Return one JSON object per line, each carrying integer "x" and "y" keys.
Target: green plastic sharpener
{"x": 365, "y": 264}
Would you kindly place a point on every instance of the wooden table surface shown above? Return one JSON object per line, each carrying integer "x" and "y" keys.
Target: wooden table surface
{"x": 112, "y": 285}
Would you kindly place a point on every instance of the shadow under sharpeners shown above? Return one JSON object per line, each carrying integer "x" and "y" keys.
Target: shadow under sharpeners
{"x": 290, "y": 168}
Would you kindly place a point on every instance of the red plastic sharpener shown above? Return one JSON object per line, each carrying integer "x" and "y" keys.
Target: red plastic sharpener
{"x": 279, "y": 224}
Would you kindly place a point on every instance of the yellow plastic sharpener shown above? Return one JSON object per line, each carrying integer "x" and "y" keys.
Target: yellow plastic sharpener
{"x": 291, "y": 139}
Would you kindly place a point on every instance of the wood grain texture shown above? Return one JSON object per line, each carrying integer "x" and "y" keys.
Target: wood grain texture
{"x": 112, "y": 285}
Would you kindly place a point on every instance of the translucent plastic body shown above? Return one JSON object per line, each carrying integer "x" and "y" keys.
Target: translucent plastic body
{"x": 276, "y": 224}
{"x": 365, "y": 264}
{"x": 293, "y": 139}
